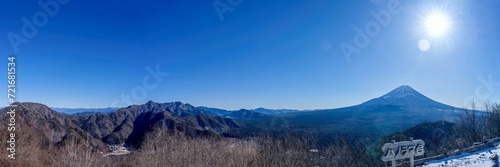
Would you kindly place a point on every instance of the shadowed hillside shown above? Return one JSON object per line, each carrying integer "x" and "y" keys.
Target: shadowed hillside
{"x": 117, "y": 127}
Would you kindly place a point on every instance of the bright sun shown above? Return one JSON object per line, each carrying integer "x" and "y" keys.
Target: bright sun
{"x": 437, "y": 24}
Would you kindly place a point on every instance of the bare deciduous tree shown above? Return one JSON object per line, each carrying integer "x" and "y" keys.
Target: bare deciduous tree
{"x": 492, "y": 119}
{"x": 469, "y": 125}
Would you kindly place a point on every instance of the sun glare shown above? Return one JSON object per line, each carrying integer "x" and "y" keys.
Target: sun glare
{"x": 437, "y": 24}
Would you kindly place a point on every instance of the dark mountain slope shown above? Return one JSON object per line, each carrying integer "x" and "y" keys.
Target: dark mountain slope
{"x": 191, "y": 125}
{"x": 50, "y": 126}
{"x": 134, "y": 121}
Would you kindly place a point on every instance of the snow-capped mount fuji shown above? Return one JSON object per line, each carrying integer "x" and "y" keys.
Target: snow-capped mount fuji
{"x": 400, "y": 109}
{"x": 406, "y": 96}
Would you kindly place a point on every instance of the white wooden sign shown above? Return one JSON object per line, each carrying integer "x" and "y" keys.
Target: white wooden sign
{"x": 402, "y": 150}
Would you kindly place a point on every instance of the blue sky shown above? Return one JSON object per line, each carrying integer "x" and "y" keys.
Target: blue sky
{"x": 273, "y": 54}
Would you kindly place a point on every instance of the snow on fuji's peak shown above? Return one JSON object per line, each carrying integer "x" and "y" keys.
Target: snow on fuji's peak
{"x": 401, "y": 92}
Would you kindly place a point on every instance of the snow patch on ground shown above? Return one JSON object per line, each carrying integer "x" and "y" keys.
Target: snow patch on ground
{"x": 475, "y": 159}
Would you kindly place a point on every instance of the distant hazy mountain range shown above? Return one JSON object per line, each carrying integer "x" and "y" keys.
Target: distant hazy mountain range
{"x": 395, "y": 111}
{"x": 243, "y": 113}
{"x": 83, "y": 110}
